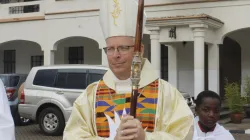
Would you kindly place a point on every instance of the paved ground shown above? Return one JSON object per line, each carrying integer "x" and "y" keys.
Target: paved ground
{"x": 241, "y": 137}
{"x": 32, "y": 132}
{"x": 243, "y": 126}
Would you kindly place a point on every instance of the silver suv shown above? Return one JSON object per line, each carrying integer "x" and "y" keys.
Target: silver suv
{"x": 50, "y": 91}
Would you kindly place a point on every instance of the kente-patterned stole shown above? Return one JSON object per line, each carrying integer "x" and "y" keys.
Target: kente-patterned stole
{"x": 107, "y": 101}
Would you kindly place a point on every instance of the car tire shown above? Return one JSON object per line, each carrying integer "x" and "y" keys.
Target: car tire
{"x": 51, "y": 121}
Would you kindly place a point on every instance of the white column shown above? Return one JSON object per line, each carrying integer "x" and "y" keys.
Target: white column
{"x": 172, "y": 66}
{"x": 48, "y": 57}
{"x": 199, "y": 41}
{"x": 156, "y": 50}
{"x": 213, "y": 68}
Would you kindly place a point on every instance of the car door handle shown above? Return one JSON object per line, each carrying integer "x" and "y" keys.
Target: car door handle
{"x": 59, "y": 92}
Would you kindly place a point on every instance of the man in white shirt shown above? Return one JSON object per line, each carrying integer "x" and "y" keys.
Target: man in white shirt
{"x": 208, "y": 105}
{"x": 7, "y": 127}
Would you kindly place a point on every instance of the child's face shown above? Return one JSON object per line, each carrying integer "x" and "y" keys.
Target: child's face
{"x": 209, "y": 111}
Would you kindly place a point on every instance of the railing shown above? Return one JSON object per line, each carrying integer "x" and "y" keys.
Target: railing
{"x": 9, "y": 1}
{"x": 22, "y": 9}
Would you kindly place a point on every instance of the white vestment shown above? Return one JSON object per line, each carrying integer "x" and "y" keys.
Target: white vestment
{"x": 219, "y": 133}
{"x": 7, "y": 127}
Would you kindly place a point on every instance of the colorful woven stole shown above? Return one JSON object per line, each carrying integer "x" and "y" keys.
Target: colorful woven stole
{"x": 107, "y": 101}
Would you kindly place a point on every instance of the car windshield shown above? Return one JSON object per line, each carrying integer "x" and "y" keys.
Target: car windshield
{"x": 4, "y": 79}
{"x": 9, "y": 81}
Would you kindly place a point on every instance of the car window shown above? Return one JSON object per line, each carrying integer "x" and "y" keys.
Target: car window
{"x": 14, "y": 80}
{"x": 5, "y": 80}
{"x": 61, "y": 80}
{"x": 71, "y": 79}
{"x": 10, "y": 81}
{"x": 45, "y": 77}
{"x": 76, "y": 81}
{"x": 95, "y": 75}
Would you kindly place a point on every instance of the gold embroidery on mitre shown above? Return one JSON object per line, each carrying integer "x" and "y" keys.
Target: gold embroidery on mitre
{"x": 117, "y": 11}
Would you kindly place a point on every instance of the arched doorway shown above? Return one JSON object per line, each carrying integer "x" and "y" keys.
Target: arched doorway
{"x": 230, "y": 63}
{"x": 19, "y": 56}
{"x": 77, "y": 50}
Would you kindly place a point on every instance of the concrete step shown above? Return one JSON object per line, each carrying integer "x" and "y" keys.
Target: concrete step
{"x": 224, "y": 121}
{"x": 225, "y": 113}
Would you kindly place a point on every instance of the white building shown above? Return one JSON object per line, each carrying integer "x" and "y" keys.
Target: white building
{"x": 212, "y": 38}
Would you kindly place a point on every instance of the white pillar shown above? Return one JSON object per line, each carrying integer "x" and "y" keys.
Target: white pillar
{"x": 172, "y": 66}
{"x": 199, "y": 42}
{"x": 213, "y": 68}
{"x": 156, "y": 50}
{"x": 48, "y": 57}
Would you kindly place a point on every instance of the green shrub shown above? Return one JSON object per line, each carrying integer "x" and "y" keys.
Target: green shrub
{"x": 233, "y": 97}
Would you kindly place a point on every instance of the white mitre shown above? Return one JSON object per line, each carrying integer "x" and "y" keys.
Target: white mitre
{"x": 119, "y": 17}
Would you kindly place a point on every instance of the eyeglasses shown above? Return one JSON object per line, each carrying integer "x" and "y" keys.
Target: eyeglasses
{"x": 120, "y": 49}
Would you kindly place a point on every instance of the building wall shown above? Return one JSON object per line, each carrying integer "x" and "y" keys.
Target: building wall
{"x": 92, "y": 53}
{"x": 242, "y": 38}
{"x": 245, "y": 57}
{"x": 147, "y": 49}
{"x": 186, "y": 63}
{"x": 24, "y": 51}
{"x": 185, "y": 56}
{"x": 61, "y": 55}
{"x": 220, "y": 10}
{"x": 65, "y": 5}
{"x": 86, "y": 24}
{"x": 50, "y": 32}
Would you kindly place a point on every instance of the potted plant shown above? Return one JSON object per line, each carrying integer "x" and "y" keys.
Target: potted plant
{"x": 247, "y": 96}
{"x": 234, "y": 101}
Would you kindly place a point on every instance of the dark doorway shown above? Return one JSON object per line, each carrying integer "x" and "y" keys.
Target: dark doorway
{"x": 230, "y": 63}
{"x": 206, "y": 67}
{"x": 164, "y": 62}
{"x": 9, "y": 61}
{"x": 76, "y": 55}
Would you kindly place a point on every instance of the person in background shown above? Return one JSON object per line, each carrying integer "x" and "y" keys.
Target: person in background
{"x": 208, "y": 104}
{"x": 7, "y": 127}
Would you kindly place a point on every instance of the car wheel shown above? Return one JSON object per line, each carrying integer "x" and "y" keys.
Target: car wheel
{"x": 51, "y": 121}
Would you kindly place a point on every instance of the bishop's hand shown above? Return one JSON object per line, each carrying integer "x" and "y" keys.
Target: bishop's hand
{"x": 130, "y": 129}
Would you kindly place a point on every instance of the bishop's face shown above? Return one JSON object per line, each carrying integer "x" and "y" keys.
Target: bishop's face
{"x": 120, "y": 50}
